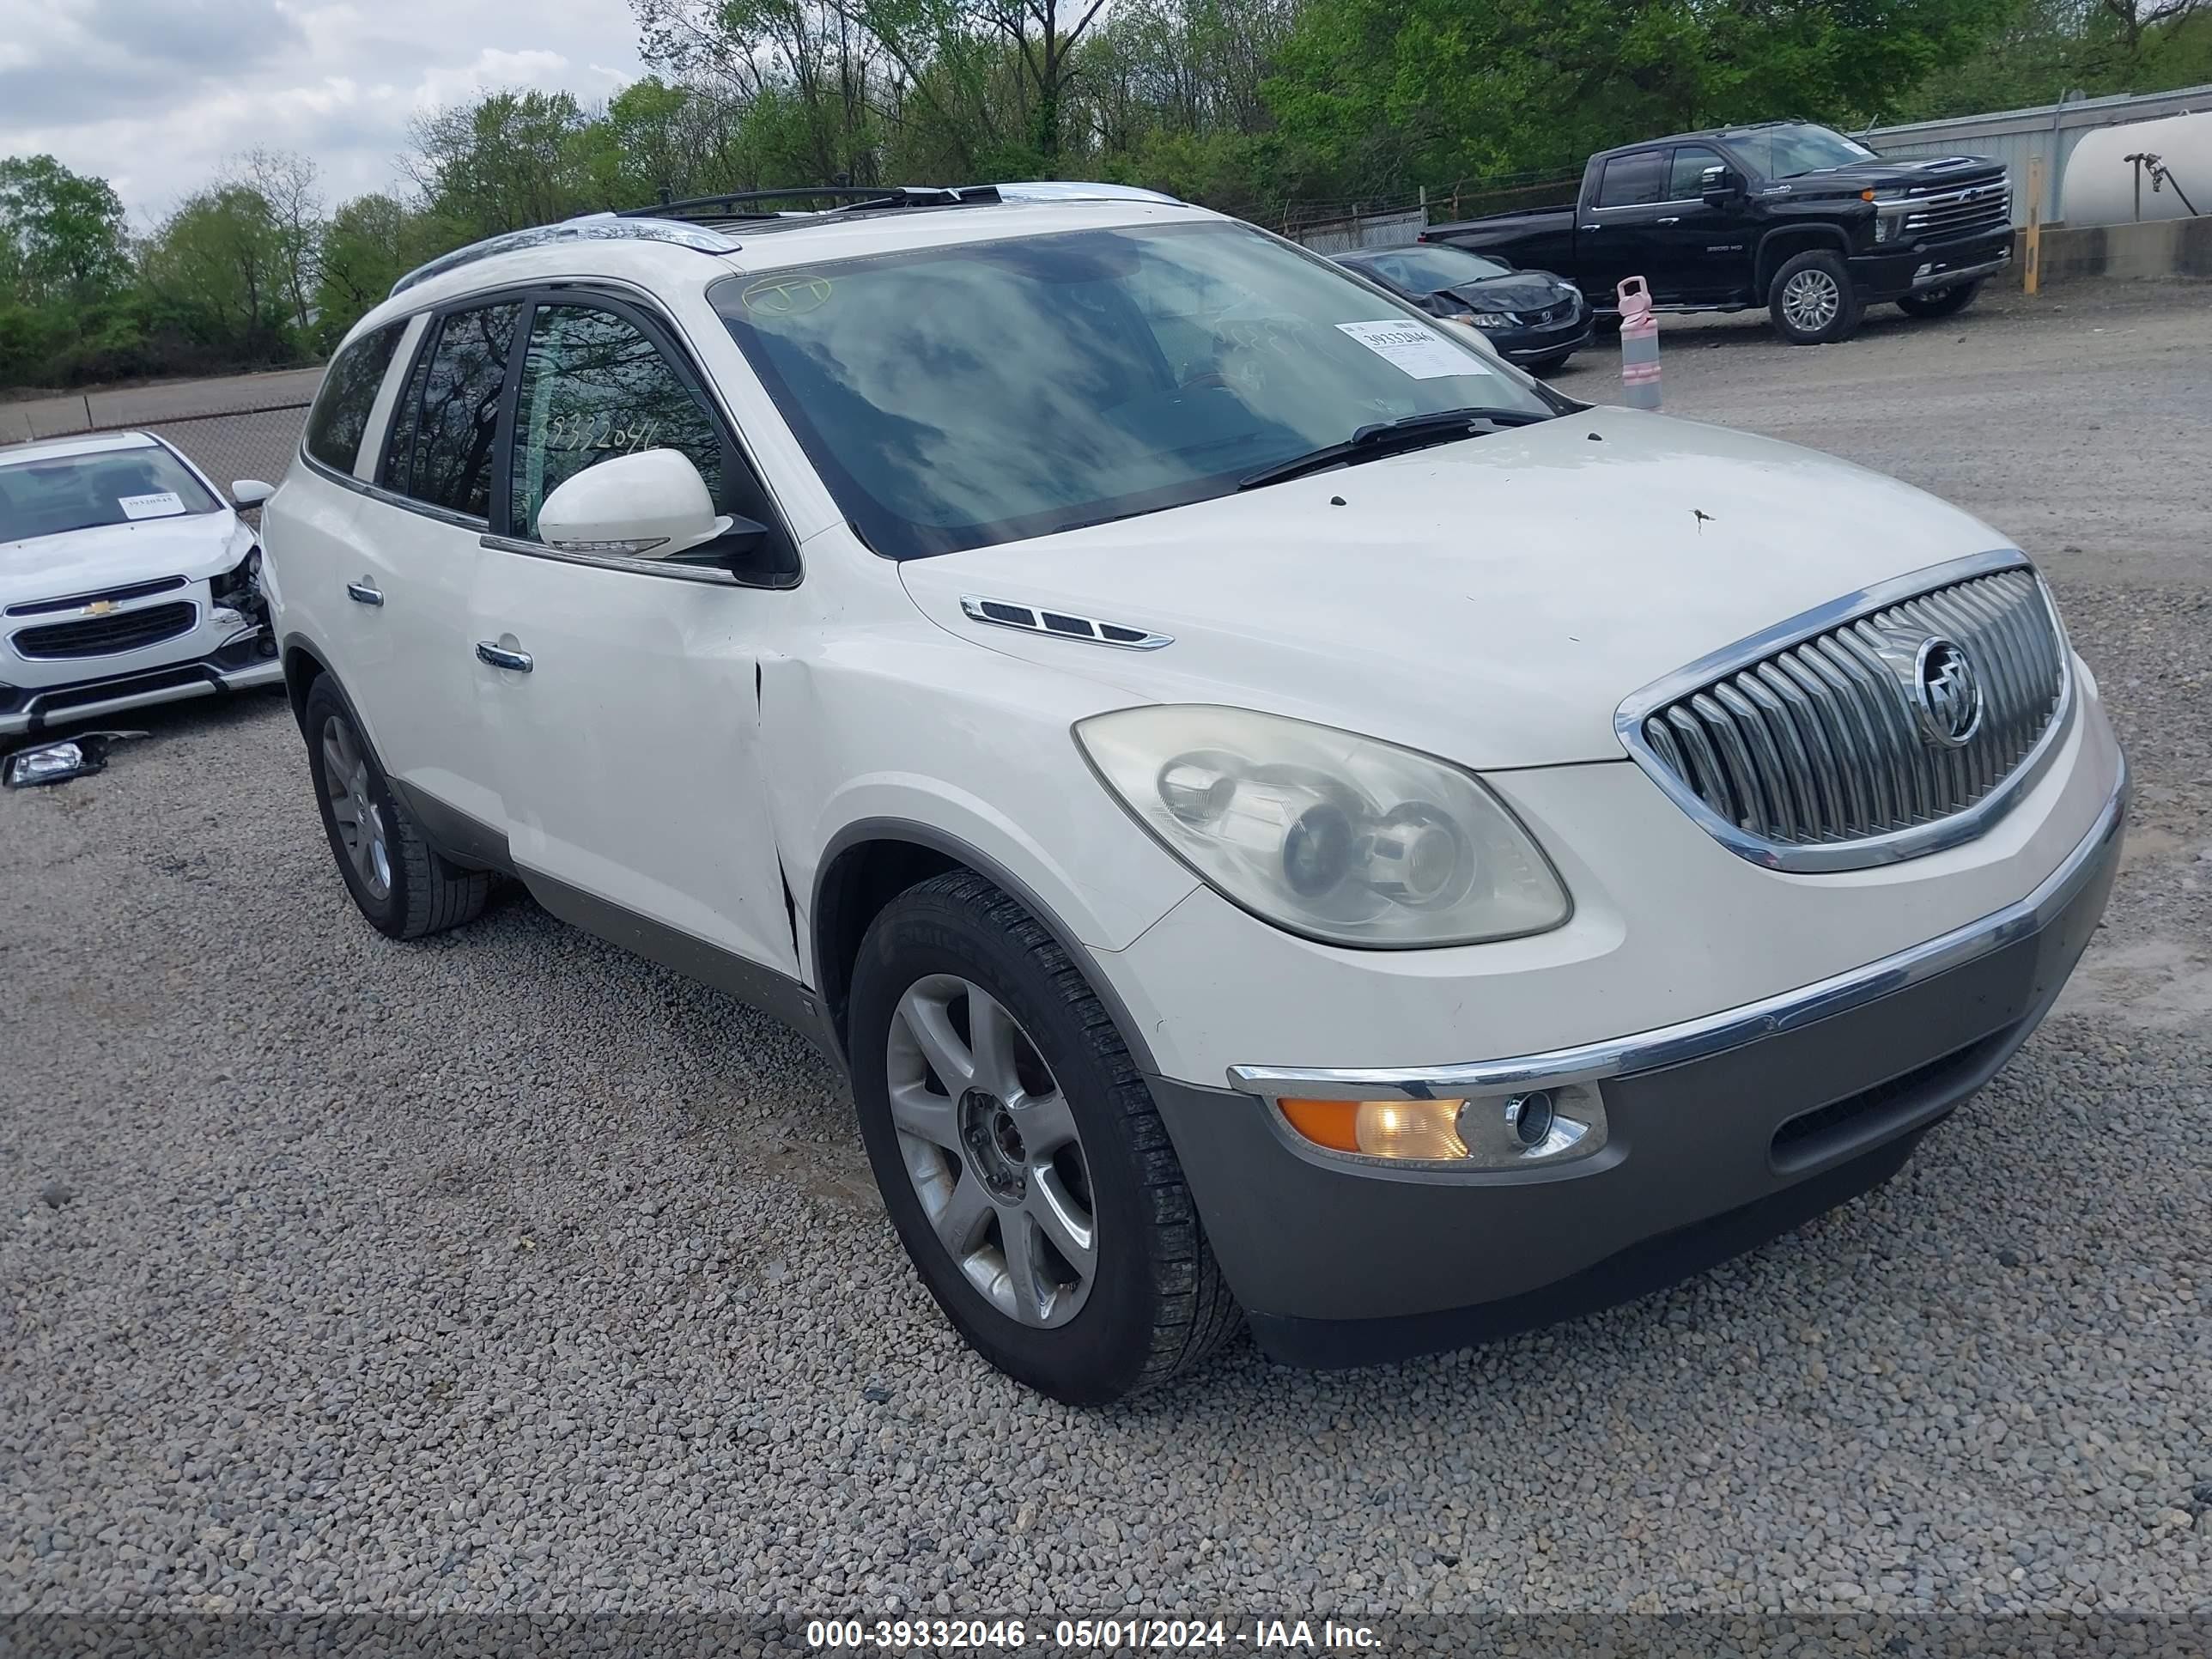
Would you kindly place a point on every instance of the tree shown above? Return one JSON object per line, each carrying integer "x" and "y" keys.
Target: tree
{"x": 507, "y": 161}
{"x": 369, "y": 244}
{"x": 285, "y": 182}
{"x": 61, "y": 237}
{"x": 220, "y": 261}
{"x": 1384, "y": 92}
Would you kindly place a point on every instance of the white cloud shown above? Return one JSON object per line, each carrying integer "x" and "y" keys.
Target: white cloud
{"x": 154, "y": 95}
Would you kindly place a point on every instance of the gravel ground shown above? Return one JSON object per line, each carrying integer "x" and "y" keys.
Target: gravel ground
{"x": 503, "y": 1272}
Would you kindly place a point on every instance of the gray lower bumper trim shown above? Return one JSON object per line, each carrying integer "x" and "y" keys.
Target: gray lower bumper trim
{"x": 1698, "y": 1039}
{"x": 1971, "y": 274}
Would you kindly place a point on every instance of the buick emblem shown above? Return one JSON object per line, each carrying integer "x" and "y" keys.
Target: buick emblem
{"x": 1948, "y": 692}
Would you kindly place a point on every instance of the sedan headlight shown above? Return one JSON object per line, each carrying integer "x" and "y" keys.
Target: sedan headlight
{"x": 1335, "y": 836}
{"x": 1488, "y": 318}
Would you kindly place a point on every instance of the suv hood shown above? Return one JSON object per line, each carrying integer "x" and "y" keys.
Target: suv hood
{"x": 1493, "y": 600}
{"x": 193, "y": 545}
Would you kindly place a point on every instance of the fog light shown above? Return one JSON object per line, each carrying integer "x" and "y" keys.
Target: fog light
{"x": 1529, "y": 1117}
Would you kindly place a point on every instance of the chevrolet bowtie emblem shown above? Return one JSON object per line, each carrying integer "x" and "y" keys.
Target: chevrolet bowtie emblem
{"x": 100, "y": 607}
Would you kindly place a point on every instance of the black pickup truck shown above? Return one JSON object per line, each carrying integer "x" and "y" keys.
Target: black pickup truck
{"x": 1805, "y": 221}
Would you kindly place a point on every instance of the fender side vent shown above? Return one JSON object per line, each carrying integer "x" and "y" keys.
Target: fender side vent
{"x": 1029, "y": 621}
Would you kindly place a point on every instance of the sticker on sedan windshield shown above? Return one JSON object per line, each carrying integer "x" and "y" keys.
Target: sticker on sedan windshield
{"x": 163, "y": 504}
{"x": 1414, "y": 350}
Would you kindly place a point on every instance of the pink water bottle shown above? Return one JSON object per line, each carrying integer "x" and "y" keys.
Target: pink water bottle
{"x": 1639, "y": 345}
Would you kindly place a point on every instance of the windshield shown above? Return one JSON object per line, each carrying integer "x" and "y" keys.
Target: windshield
{"x": 1430, "y": 269}
{"x": 954, "y": 396}
{"x": 1788, "y": 151}
{"x": 55, "y": 494}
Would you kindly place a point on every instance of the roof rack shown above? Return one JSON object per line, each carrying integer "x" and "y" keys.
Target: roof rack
{"x": 750, "y": 206}
{"x": 692, "y": 222}
{"x": 588, "y": 227}
{"x": 746, "y": 204}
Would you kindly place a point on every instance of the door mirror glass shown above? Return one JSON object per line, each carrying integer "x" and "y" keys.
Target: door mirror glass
{"x": 650, "y": 505}
{"x": 250, "y": 492}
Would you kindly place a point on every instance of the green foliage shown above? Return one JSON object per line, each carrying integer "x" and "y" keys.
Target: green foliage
{"x": 1244, "y": 105}
{"x": 1382, "y": 91}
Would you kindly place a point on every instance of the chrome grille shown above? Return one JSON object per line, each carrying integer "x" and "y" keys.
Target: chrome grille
{"x": 1837, "y": 747}
{"x": 1960, "y": 212}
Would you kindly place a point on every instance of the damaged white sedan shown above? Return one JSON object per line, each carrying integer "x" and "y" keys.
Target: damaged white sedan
{"x": 126, "y": 578}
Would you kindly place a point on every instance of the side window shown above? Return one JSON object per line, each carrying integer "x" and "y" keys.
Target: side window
{"x": 340, "y": 417}
{"x": 1632, "y": 181}
{"x": 442, "y": 441}
{"x": 594, "y": 386}
{"x": 1686, "y": 178}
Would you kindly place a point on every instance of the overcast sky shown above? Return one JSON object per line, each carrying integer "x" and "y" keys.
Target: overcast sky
{"x": 154, "y": 93}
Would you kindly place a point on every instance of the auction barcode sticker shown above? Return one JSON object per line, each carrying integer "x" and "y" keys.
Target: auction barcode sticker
{"x": 1413, "y": 350}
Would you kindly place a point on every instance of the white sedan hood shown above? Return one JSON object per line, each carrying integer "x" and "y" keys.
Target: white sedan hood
{"x": 193, "y": 545}
{"x": 1492, "y": 601}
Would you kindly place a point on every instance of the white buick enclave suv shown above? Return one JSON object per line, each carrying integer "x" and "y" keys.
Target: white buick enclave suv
{"x": 1283, "y": 819}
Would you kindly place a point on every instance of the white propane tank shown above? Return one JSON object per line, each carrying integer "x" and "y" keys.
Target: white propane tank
{"x": 2100, "y": 181}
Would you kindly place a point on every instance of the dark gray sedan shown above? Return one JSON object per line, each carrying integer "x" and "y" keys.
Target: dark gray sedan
{"x": 1532, "y": 318}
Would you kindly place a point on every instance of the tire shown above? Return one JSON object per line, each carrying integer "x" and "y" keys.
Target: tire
{"x": 1607, "y": 323}
{"x": 1940, "y": 301}
{"x": 402, "y": 886}
{"x": 1811, "y": 300}
{"x": 1148, "y": 1303}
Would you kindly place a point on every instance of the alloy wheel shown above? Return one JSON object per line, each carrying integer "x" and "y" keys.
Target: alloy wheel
{"x": 1811, "y": 300}
{"x": 354, "y": 809}
{"x": 990, "y": 1146}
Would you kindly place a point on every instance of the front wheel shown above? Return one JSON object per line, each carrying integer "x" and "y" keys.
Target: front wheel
{"x": 1940, "y": 301}
{"x": 1019, "y": 1153}
{"x": 1811, "y": 300}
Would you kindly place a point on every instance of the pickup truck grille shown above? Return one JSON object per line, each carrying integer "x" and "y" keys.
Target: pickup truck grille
{"x": 1960, "y": 212}
{"x": 1847, "y": 735}
{"x": 109, "y": 635}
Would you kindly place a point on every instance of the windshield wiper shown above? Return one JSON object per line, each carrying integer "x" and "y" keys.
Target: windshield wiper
{"x": 1441, "y": 426}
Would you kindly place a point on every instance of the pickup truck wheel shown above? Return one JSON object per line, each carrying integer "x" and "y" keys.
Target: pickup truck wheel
{"x": 1940, "y": 301}
{"x": 1019, "y": 1153}
{"x": 1811, "y": 300}
{"x": 397, "y": 879}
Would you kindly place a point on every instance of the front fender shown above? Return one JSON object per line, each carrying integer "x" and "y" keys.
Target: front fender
{"x": 923, "y": 729}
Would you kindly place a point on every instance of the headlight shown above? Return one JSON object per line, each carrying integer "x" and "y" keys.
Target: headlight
{"x": 1889, "y": 212}
{"x": 1333, "y": 835}
{"x": 242, "y": 580}
{"x": 1489, "y": 320}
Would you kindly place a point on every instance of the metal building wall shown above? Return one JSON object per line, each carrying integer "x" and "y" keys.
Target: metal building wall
{"x": 2050, "y": 131}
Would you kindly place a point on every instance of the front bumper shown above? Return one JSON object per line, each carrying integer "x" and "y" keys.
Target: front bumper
{"x": 30, "y": 711}
{"x": 1915, "y": 268}
{"x": 1546, "y": 340}
{"x": 1724, "y": 1132}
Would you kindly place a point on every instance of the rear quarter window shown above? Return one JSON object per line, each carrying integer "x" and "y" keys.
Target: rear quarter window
{"x": 1633, "y": 180}
{"x": 339, "y": 420}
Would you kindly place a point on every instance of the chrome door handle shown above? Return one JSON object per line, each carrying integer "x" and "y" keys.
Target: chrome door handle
{"x": 364, "y": 592}
{"x": 1675, "y": 220}
{"x": 500, "y": 657}
{"x": 1593, "y": 227}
